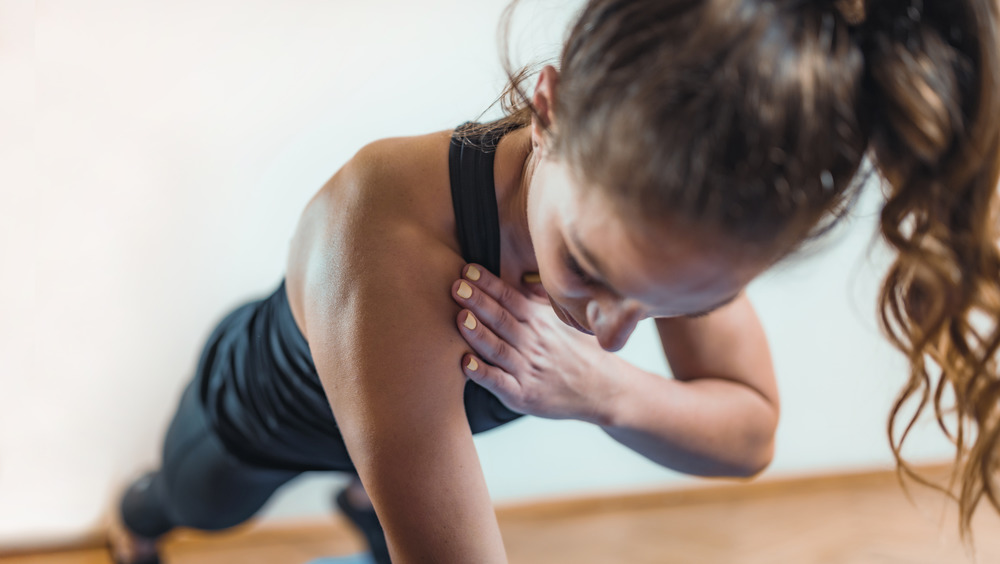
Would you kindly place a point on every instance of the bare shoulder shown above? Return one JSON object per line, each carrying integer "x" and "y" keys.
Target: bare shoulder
{"x": 391, "y": 189}
{"x": 376, "y": 274}
{"x": 397, "y": 175}
{"x": 399, "y": 159}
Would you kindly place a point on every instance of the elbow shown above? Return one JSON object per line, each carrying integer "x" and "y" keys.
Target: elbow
{"x": 761, "y": 446}
{"x": 743, "y": 463}
{"x": 757, "y": 461}
{"x": 760, "y": 440}
{"x": 748, "y": 464}
{"x": 756, "y": 446}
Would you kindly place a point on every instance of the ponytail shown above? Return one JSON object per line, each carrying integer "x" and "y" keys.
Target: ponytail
{"x": 933, "y": 103}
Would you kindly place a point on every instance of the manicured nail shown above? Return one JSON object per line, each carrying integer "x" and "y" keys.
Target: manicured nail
{"x": 472, "y": 273}
{"x": 473, "y": 365}
{"x": 464, "y": 290}
{"x": 532, "y": 278}
{"x": 470, "y": 321}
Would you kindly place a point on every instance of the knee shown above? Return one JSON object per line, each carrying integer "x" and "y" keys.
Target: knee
{"x": 204, "y": 515}
{"x": 142, "y": 509}
{"x": 217, "y": 495}
{"x": 211, "y": 508}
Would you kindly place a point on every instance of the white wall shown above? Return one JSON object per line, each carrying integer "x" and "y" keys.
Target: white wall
{"x": 155, "y": 157}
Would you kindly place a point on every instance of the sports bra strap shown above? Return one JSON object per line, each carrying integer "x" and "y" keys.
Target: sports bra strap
{"x": 477, "y": 221}
{"x": 473, "y": 194}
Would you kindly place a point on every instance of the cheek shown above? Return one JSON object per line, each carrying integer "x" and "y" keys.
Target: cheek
{"x": 546, "y": 244}
{"x": 547, "y": 257}
{"x": 560, "y": 283}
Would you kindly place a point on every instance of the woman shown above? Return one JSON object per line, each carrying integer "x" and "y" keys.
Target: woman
{"x": 682, "y": 148}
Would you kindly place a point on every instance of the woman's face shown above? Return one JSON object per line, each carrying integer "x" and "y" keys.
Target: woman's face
{"x": 604, "y": 271}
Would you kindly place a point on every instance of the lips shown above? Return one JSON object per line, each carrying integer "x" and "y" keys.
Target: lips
{"x": 568, "y": 319}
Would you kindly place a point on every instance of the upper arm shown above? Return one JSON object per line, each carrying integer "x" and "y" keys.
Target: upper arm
{"x": 380, "y": 318}
{"x": 728, "y": 343}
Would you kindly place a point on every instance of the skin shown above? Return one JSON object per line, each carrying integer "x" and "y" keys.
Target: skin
{"x": 368, "y": 277}
{"x": 367, "y": 265}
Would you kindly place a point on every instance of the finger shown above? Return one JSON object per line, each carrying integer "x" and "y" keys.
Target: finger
{"x": 492, "y": 313}
{"x": 510, "y": 297}
{"x": 485, "y": 342}
{"x": 496, "y": 381}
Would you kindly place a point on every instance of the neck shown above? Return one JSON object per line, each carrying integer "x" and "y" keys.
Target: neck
{"x": 513, "y": 166}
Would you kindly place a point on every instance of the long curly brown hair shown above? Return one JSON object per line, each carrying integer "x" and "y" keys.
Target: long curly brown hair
{"x": 755, "y": 119}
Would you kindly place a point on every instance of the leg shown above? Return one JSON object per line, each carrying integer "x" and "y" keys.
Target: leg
{"x": 200, "y": 484}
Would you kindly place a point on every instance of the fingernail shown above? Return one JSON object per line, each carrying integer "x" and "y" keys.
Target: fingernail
{"x": 472, "y": 273}
{"x": 532, "y": 278}
{"x": 464, "y": 290}
{"x": 470, "y": 321}
{"x": 473, "y": 365}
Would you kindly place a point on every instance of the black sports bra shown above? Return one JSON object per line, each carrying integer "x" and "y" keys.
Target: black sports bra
{"x": 473, "y": 195}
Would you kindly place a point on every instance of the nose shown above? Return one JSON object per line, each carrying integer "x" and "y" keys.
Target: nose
{"x": 613, "y": 321}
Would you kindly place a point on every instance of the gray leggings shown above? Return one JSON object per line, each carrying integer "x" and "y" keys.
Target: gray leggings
{"x": 200, "y": 484}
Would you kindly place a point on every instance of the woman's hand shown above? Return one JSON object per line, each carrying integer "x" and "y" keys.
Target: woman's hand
{"x": 534, "y": 363}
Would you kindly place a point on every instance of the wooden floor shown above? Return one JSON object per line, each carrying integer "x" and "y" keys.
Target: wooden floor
{"x": 857, "y": 519}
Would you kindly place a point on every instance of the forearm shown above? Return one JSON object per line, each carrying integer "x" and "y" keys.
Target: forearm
{"x": 707, "y": 426}
{"x": 396, "y": 393}
{"x": 722, "y": 425}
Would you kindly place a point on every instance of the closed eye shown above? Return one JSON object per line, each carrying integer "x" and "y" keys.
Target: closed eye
{"x": 578, "y": 271}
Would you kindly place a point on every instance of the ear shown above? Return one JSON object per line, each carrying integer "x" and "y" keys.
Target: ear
{"x": 544, "y": 102}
